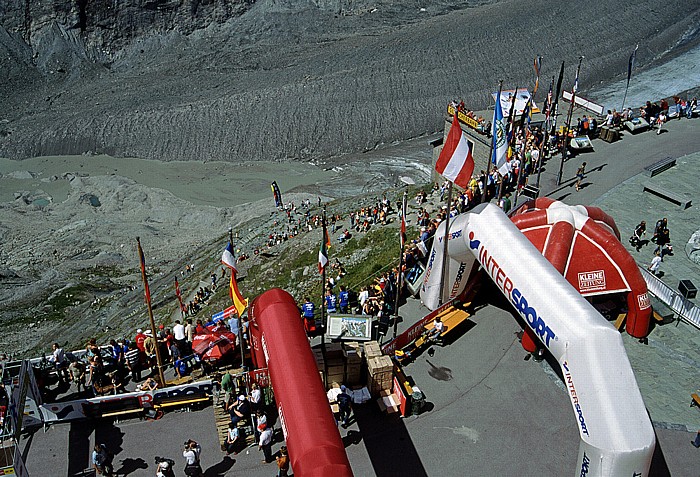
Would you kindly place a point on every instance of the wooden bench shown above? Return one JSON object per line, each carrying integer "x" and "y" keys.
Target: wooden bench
{"x": 451, "y": 318}
{"x": 677, "y": 199}
{"x": 695, "y": 401}
{"x": 187, "y": 401}
{"x": 659, "y": 166}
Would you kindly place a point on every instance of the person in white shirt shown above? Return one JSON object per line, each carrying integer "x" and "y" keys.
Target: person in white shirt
{"x": 191, "y": 454}
{"x": 58, "y": 358}
{"x": 179, "y": 335}
{"x": 265, "y": 442}
{"x": 655, "y": 263}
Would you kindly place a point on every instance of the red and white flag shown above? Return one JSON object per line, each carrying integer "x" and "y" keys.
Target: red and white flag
{"x": 456, "y": 162}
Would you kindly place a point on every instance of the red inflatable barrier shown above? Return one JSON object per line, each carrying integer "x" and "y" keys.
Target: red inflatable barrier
{"x": 279, "y": 342}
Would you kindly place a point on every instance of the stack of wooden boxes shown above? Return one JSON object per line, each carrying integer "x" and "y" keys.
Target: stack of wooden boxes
{"x": 380, "y": 369}
{"x": 335, "y": 363}
{"x": 353, "y": 363}
{"x": 320, "y": 364}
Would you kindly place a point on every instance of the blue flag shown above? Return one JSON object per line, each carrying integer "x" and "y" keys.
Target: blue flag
{"x": 500, "y": 142}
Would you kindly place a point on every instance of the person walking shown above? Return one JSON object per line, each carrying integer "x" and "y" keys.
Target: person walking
{"x": 192, "y": 453}
{"x": 655, "y": 263}
{"x": 580, "y": 172}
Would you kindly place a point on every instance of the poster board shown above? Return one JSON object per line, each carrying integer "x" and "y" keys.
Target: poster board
{"x": 349, "y": 327}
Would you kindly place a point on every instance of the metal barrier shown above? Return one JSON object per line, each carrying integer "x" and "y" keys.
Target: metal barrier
{"x": 683, "y": 307}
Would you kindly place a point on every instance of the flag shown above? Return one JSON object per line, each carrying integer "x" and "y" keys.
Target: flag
{"x": 228, "y": 258}
{"x": 142, "y": 259}
{"x": 178, "y": 294}
{"x": 575, "y": 88}
{"x": 326, "y": 234}
{"x": 630, "y": 66}
{"x": 456, "y": 162}
{"x": 276, "y": 194}
{"x": 238, "y": 301}
{"x": 323, "y": 251}
{"x": 538, "y": 65}
{"x": 527, "y": 114}
{"x": 500, "y": 144}
{"x": 403, "y": 221}
{"x": 561, "y": 78}
{"x": 548, "y": 105}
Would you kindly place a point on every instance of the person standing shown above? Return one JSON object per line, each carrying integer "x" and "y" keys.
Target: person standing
{"x": 192, "y": 453}
{"x": 179, "y": 335}
{"x": 696, "y": 442}
{"x": 331, "y": 302}
{"x": 655, "y": 263}
{"x": 58, "y": 358}
{"x": 308, "y": 314}
{"x": 265, "y": 443}
{"x": 580, "y": 172}
{"x": 283, "y": 462}
{"x": 189, "y": 334}
{"x": 344, "y": 405}
{"x": 101, "y": 461}
{"x": 133, "y": 361}
{"x": 344, "y": 299}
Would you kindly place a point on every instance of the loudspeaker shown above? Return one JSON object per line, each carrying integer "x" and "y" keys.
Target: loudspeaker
{"x": 687, "y": 289}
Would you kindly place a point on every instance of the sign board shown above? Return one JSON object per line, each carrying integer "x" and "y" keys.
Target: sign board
{"x": 584, "y": 103}
{"x": 70, "y": 410}
{"x": 349, "y": 327}
{"x": 468, "y": 120}
{"x": 521, "y": 99}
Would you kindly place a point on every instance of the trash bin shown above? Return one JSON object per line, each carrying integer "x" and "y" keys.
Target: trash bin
{"x": 417, "y": 401}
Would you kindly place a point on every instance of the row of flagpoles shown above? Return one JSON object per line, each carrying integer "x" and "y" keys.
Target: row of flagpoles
{"x": 456, "y": 161}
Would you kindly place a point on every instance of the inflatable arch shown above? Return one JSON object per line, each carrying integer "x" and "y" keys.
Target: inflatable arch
{"x": 278, "y": 342}
{"x": 583, "y": 244}
{"x": 617, "y": 437}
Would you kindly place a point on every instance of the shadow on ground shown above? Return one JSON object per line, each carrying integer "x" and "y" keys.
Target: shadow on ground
{"x": 376, "y": 429}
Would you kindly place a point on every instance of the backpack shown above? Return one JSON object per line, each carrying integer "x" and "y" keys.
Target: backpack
{"x": 344, "y": 400}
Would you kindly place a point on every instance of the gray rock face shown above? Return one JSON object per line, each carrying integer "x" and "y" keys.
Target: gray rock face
{"x": 240, "y": 80}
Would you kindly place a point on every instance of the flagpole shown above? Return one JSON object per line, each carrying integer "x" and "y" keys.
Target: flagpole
{"x": 568, "y": 122}
{"x": 445, "y": 261}
{"x": 323, "y": 287}
{"x": 494, "y": 135}
{"x": 545, "y": 138}
{"x": 240, "y": 317}
{"x": 399, "y": 281}
{"x": 150, "y": 313}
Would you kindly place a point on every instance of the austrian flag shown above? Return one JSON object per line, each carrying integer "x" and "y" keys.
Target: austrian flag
{"x": 456, "y": 162}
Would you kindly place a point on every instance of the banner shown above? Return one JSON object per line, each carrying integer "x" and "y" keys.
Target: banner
{"x": 521, "y": 99}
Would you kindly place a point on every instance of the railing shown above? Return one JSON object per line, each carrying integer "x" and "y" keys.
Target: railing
{"x": 683, "y": 307}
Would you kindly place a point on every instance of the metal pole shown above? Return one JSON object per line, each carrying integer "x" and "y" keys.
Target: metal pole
{"x": 494, "y": 137}
{"x": 159, "y": 363}
{"x": 399, "y": 281}
{"x": 445, "y": 262}
{"x": 323, "y": 290}
{"x": 240, "y": 316}
{"x": 568, "y": 124}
